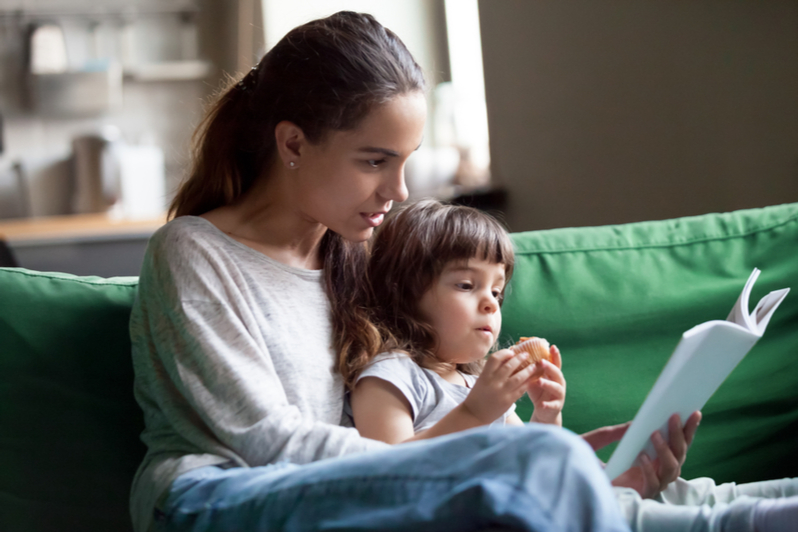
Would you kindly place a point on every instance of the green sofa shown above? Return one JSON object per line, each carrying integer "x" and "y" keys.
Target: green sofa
{"x": 615, "y": 299}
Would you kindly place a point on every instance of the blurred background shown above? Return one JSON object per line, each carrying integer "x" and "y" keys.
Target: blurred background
{"x": 550, "y": 113}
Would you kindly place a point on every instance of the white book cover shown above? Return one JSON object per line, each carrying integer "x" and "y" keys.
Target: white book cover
{"x": 703, "y": 359}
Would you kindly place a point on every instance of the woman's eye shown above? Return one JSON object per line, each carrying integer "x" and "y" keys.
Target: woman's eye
{"x": 375, "y": 163}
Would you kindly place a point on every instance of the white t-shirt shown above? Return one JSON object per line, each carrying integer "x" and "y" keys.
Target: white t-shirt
{"x": 430, "y": 396}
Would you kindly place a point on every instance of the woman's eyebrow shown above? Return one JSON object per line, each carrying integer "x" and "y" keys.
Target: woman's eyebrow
{"x": 376, "y": 150}
{"x": 384, "y": 151}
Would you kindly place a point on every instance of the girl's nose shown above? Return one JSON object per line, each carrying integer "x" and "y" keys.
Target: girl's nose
{"x": 490, "y": 305}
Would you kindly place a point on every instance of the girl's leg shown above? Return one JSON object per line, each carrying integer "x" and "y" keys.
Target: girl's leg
{"x": 533, "y": 478}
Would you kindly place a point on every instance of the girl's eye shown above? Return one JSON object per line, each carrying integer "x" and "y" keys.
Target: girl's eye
{"x": 496, "y": 294}
{"x": 464, "y": 285}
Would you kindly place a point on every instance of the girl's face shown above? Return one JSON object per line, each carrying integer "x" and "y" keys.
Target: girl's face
{"x": 463, "y": 307}
{"x": 348, "y": 182}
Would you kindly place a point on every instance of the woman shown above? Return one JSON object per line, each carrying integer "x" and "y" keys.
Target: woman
{"x": 248, "y": 298}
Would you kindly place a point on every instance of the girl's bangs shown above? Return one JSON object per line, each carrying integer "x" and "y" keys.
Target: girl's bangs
{"x": 470, "y": 234}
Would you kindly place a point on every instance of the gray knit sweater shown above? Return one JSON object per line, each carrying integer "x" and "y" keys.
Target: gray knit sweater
{"x": 233, "y": 361}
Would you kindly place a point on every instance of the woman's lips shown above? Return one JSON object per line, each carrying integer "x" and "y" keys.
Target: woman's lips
{"x": 373, "y": 219}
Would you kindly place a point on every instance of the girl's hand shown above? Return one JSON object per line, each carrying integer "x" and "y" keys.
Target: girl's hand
{"x": 496, "y": 388}
{"x": 650, "y": 477}
{"x": 549, "y": 391}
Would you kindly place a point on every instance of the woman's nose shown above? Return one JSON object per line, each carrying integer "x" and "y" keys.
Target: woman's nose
{"x": 394, "y": 186}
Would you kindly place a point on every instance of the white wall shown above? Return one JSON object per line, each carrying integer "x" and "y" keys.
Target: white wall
{"x": 624, "y": 110}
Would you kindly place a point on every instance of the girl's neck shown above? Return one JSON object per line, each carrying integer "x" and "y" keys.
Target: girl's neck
{"x": 450, "y": 374}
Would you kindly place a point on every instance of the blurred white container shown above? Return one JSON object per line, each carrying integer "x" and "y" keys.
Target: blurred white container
{"x": 429, "y": 170}
{"x": 141, "y": 181}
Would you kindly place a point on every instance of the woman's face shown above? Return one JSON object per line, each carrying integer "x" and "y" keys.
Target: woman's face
{"x": 348, "y": 182}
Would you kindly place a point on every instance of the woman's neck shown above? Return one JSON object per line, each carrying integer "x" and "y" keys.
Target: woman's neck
{"x": 263, "y": 219}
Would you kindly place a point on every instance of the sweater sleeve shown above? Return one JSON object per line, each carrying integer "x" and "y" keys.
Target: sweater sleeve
{"x": 210, "y": 377}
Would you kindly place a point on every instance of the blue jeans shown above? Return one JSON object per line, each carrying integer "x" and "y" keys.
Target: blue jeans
{"x": 531, "y": 478}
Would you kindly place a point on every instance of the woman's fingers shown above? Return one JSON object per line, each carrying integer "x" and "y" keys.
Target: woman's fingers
{"x": 669, "y": 466}
{"x": 677, "y": 439}
{"x": 601, "y": 437}
{"x": 690, "y": 428}
{"x": 651, "y": 484}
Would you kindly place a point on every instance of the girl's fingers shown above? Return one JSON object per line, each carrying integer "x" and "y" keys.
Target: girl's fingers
{"x": 555, "y": 390}
{"x": 552, "y": 372}
{"x": 498, "y": 359}
{"x": 555, "y": 355}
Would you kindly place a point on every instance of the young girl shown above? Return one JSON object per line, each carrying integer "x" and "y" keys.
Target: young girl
{"x": 438, "y": 310}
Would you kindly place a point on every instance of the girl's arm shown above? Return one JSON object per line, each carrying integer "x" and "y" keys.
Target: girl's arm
{"x": 382, "y": 412}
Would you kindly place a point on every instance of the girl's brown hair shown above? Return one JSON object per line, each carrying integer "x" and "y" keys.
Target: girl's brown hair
{"x": 323, "y": 76}
{"x": 409, "y": 253}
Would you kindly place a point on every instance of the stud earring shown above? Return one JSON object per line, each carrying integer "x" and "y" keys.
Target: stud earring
{"x": 291, "y": 164}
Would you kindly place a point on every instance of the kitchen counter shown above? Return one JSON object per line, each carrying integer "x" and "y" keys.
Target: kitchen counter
{"x": 85, "y": 245}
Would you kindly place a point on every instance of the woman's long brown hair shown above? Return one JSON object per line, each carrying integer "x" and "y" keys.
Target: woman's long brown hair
{"x": 323, "y": 76}
{"x": 409, "y": 253}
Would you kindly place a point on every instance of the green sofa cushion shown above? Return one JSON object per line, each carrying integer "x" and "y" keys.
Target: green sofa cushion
{"x": 69, "y": 443}
{"x": 616, "y": 299}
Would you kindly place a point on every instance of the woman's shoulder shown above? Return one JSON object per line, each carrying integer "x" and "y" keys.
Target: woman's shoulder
{"x": 183, "y": 231}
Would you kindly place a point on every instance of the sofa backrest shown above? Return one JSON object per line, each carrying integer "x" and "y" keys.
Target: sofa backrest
{"x": 69, "y": 426}
{"x": 616, "y": 299}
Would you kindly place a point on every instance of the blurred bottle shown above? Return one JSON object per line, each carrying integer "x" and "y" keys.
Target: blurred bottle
{"x": 96, "y": 171}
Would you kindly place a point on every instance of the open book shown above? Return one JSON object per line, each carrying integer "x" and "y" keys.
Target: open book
{"x": 703, "y": 359}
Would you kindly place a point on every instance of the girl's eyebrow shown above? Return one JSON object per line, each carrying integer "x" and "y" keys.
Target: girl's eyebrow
{"x": 460, "y": 268}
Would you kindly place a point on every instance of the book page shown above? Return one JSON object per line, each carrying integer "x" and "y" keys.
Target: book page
{"x": 740, "y": 314}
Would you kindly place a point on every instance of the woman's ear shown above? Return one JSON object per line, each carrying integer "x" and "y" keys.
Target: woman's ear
{"x": 289, "y": 140}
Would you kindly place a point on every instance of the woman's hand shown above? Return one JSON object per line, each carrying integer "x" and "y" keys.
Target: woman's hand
{"x": 549, "y": 391}
{"x": 496, "y": 389}
{"x": 650, "y": 477}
